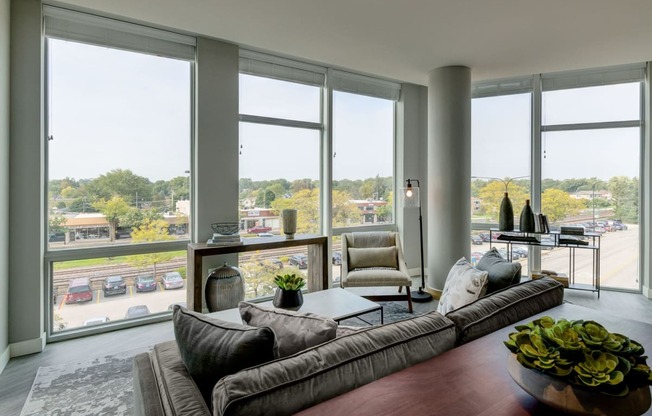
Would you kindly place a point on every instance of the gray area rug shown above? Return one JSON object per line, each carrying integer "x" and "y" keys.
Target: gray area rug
{"x": 100, "y": 386}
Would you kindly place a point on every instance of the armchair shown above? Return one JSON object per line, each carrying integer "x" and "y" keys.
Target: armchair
{"x": 375, "y": 259}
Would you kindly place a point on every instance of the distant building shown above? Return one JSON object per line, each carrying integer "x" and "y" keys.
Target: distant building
{"x": 605, "y": 195}
{"x": 369, "y": 209}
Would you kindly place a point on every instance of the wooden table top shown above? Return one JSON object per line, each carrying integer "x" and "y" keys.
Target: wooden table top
{"x": 468, "y": 380}
{"x": 334, "y": 303}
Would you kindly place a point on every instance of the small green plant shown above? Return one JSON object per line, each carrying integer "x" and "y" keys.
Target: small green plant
{"x": 583, "y": 353}
{"x": 290, "y": 281}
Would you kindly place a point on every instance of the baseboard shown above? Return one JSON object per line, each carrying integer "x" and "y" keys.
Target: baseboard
{"x": 647, "y": 292}
{"x": 436, "y": 293}
{"x": 4, "y": 358}
{"x": 29, "y": 346}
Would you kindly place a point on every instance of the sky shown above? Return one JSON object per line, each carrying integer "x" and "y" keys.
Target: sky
{"x": 112, "y": 109}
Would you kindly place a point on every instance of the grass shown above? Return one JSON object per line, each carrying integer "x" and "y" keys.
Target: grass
{"x": 102, "y": 261}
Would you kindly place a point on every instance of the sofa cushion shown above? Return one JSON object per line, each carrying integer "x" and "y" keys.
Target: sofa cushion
{"x": 290, "y": 384}
{"x": 295, "y": 331}
{"x": 464, "y": 284}
{"x": 501, "y": 273}
{"x": 211, "y": 348}
{"x": 360, "y": 258}
{"x": 505, "y": 307}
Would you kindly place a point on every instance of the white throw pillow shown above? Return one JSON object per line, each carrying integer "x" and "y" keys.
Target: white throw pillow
{"x": 464, "y": 284}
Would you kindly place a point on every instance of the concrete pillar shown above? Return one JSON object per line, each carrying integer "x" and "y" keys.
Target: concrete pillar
{"x": 449, "y": 171}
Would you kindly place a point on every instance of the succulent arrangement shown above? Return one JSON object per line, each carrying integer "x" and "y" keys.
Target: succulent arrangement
{"x": 290, "y": 281}
{"x": 583, "y": 353}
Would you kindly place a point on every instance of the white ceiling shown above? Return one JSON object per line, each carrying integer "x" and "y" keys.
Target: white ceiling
{"x": 405, "y": 39}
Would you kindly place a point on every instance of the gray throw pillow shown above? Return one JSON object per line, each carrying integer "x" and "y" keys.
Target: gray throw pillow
{"x": 295, "y": 331}
{"x": 360, "y": 258}
{"x": 502, "y": 273}
{"x": 464, "y": 284}
{"x": 211, "y": 348}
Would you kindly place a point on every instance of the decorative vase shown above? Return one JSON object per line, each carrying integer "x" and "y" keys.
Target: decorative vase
{"x": 224, "y": 288}
{"x": 289, "y": 223}
{"x": 526, "y": 222}
{"x": 288, "y": 299}
{"x": 575, "y": 400}
{"x": 506, "y": 215}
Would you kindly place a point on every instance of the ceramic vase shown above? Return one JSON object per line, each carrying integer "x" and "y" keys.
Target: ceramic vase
{"x": 289, "y": 222}
{"x": 224, "y": 288}
{"x": 506, "y": 215}
{"x": 288, "y": 299}
{"x": 526, "y": 222}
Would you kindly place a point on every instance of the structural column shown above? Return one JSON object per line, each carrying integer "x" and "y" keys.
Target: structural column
{"x": 449, "y": 171}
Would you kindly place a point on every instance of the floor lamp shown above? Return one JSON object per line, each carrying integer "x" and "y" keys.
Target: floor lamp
{"x": 411, "y": 197}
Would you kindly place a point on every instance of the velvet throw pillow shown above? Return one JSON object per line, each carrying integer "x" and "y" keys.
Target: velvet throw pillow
{"x": 501, "y": 273}
{"x": 464, "y": 284}
{"x": 211, "y": 348}
{"x": 295, "y": 331}
{"x": 361, "y": 258}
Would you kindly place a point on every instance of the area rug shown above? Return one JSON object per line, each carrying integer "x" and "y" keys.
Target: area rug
{"x": 100, "y": 386}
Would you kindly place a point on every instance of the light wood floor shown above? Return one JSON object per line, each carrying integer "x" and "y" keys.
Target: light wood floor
{"x": 17, "y": 378}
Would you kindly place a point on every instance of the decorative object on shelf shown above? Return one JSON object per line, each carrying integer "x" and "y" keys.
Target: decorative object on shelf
{"x": 224, "y": 288}
{"x": 506, "y": 214}
{"x": 579, "y": 367}
{"x": 411, "y": 198}
{"x": 288, "y": 293}
{"x": 289, "y": 223}
{"x": 526, "y": 222}
{"x": 225, "y": 228}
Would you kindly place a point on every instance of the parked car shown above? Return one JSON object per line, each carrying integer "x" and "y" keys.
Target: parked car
{"x": 337, "y": 258}
{"x": 172, "y": 280}
{"x": 522, "y": 251}
{"x": 476, "y": 256}
{"x": 259, "y": 229}
{"x": 486, "y": 237}
{"x": 79, "y": 290}
{"x": 476, "y": 240}
{"x": 96, "y": 321}
{"x": 300, "y": 260}
{"x": 136, "y": 311}
{"x": 145, "y": 283}
{"x": 114, "y": 285}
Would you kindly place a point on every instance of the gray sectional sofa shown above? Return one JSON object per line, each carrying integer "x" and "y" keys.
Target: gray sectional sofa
{"x": 283, "y": 386}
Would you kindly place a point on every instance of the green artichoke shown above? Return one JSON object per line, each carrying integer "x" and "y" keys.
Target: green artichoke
{"x": 593, "y": 334}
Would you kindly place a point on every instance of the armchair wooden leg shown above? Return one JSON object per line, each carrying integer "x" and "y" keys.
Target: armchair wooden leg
{"x": 400, "y": 289}
{"x": 409, "y": 296}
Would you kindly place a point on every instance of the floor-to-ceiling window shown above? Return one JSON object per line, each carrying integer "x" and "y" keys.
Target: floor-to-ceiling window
{"x": 500, "y": 162}
{"x": 590, "y": 153}
{"x": 118, "y": 168}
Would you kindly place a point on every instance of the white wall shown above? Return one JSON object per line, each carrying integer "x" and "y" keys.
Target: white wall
{"x": 4, "y": 182}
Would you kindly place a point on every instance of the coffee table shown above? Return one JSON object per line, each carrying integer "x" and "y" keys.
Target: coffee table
{"x": 337, "y": 303}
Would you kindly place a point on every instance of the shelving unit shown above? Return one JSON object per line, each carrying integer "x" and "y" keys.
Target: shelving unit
{"x": 591, "y": 241}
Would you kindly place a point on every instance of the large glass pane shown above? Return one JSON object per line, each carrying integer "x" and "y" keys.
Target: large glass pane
{"x": 119, "y": 154}
{"x": 363, "y": 160}
{"x": 591, "y": 179}
{"x": 592, "y": 104}
{"x": 268, "y": 97}
{"x": 100, "y": 290}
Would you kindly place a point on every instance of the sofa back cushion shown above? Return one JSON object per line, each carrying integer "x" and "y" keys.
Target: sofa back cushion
{"x": 290, "y": 384}
{"x": 361, "y": 258}
{"x": 501, "y": 273}
{"x": 505, "y": 307}
{"x": 295, "y": 331}
{"x": 211, "y": 348}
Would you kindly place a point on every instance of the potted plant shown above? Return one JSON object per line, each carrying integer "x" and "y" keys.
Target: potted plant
{"x": 288, "y": 294}
{"x": 587, "y": 365}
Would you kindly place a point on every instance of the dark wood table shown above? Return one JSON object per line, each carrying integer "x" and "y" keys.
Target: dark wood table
{"x": 318, "y": 262}
{"x": 468, "y": 380}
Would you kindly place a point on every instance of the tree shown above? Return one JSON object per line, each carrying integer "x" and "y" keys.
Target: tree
{"x": 306, "y": 202}
{"x": 151, "y": 231}
{"x": 624, "y": 195}
{"x": 492, "y": 195}
{"x": 57, "y": 223}
{"x": 112, "y": 209}
{"x": 557, "y": 204}
{"x": 344, "y": 211}
{"x": 385, "y": 212}
{"x": 258, "y": 276}
{"x": 123, "y": 183}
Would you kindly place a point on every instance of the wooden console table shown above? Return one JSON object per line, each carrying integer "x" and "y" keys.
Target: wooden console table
{"x": 318, "y": 263}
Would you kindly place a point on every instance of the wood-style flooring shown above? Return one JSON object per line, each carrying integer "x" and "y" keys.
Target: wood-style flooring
{"x": 17, "y": 378}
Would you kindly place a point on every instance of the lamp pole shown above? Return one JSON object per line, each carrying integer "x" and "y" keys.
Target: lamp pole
{"x": 419, "y": 295}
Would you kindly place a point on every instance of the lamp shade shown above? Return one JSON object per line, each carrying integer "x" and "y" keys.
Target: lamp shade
{"x": 409, "y": 197}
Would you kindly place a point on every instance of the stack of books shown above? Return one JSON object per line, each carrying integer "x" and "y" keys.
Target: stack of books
{"x": 224, "y": 240}
{"x": 541, "y": 224}
{"x": 568, "y": 230}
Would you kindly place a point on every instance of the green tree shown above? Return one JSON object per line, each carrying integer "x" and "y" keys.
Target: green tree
{"x": 113, "y": 210}
{"x": 557, "y": 205}
{"x": 258, "y": 276}
{"x": 151, "y": 231}
{"x": 492, "y": 195}
{"x": 123, "y": 183}
{"x": 385, "y": 212}
{"x": 57, "y": 223}
{"x": 344, "y": 211}
{"x": 624, "y": 196}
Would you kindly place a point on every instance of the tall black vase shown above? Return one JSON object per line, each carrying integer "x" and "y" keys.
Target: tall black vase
{"x": 526, "y": 223}
{"x": 506, "y": 215}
